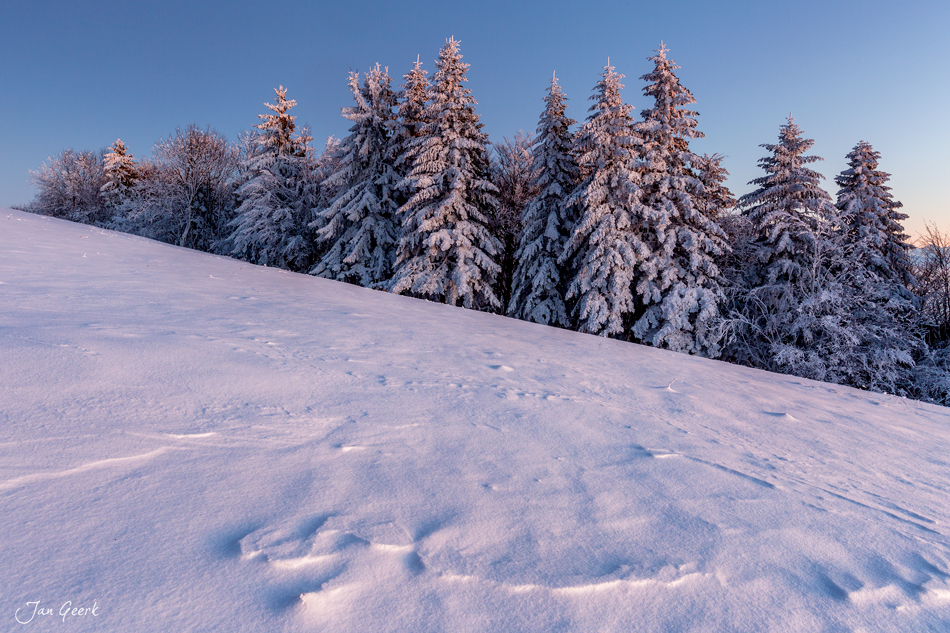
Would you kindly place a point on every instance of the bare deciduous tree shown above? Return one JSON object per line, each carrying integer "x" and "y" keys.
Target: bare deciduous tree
{"x": 200, "y": 166}
{"x": 932, "y": 269}
{"x": 511, "y": 171}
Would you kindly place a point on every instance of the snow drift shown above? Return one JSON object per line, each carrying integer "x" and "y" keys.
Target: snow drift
{"x": 193, "y": 443}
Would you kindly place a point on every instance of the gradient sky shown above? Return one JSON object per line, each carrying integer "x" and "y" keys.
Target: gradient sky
{"x": 80, "y": 75}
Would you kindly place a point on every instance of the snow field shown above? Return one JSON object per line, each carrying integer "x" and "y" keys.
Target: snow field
{"x": 195, "y": 443}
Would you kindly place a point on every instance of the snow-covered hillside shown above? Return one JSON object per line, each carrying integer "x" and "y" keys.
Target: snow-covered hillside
{"x": 191, "y": 443}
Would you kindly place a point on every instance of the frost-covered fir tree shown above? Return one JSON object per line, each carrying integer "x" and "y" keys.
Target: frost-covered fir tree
{"x": 809, "y": 305}
{"x": 359, "y": 228}
{"x": 713, "y": 198}
{"x": 679, "y": 283}
{"x": 446, "y": 252}
{"x": 787, "y": 207}
{"x": 540, "y": 281}
{"x": 277, "y": 130}
{"x": 327, "y": 164}
{"x": 408, "y": 126}
{"x": 271, "y": 223}
{"x": 872, "y": 215}
{"x": 877, "y": 247}
{"x": 786, "y": 212}
{"x": 121, "y": 173}
{"x": 322, "y": 194}
{"x": 605, "y": 248}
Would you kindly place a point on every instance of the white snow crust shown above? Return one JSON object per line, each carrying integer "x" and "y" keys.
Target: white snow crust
{"x": 193, "y": 443}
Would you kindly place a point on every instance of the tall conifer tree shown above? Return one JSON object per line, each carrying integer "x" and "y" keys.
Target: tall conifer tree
{"x": 605, "y": 247}
{"x": 787, "y": 207}
{"x": 271, "y": 223}
{"x": 446, "y": 252}
{"x": 409, "y": 125}
{"x": 877, "y": 252}
{"x": 540, "y": 282}
{"x": 679, "y": 284}
{"x": 873, "y": 216}
{"x": 359, "y": 226}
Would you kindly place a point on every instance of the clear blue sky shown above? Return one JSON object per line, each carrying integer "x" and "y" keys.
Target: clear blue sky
{"x": 80, "y": 75}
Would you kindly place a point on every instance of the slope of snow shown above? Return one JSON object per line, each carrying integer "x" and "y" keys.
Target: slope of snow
{"x": 191, "y": 443}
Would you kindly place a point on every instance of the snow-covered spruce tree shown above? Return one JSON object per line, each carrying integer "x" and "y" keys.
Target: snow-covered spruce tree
{"x": 320, "y": 192}
{"x": 809, "y": 307}
{"x": 877, "y": 243}
{"x": 787, "y": 207}
{"x": 272, "y": 219}
{"x": 785, "y": 212}
{"x": 604, "y": 248}
{"x": 120, "y": 175}
{"x": 713, "y": 198}
{"x": 872, "y": 215}
{"x": 446, "y": 252}
{"x": 359, "y": 227}
{"x": 408, "y": 126}
{"x": 540, "y": 281}
{"x": 679, "y": 284}
{"x": 152, "y": 209}
{"x": 325, "y": 166}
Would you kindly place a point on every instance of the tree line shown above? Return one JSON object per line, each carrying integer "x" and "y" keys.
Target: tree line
{"x": 613, "y": 228}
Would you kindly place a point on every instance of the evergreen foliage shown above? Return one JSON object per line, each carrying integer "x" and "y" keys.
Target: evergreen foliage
{"x": 446, "y": 252}
{"x": 713, "y": 198}
{"x": 359, "y": 227}
{"x": 271, "y": 226}
{"x": 877, "y": 244}
{"x": 540, "y": 280}
{"x": 120, "y": 175}
{"x": 788, "y": 265}
{"x": 605, "y": 247}
{"x": 810, "y": 306}
{"x": 408, "y": 126}
{"x": 679, "y": 283}
{"x": 787, "y": 207}
{"x": 874, "y": 222}
{"x": 277, "y": 130}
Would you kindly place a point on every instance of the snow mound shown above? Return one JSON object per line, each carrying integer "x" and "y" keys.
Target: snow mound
{"x": 193, "y": 443}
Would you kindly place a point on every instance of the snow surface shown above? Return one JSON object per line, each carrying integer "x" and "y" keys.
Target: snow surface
{"x": 192, "y": 443}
